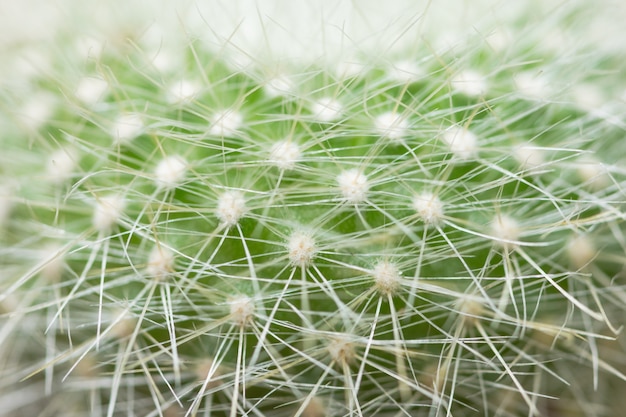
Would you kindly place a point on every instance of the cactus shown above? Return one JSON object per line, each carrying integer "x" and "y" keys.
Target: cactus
{"x": 431, "y": 231}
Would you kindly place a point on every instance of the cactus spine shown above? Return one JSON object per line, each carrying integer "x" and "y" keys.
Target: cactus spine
{"x": 430, "y": 233}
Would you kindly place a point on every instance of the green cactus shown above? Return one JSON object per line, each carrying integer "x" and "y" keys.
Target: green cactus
{"x": 424, "y": 232}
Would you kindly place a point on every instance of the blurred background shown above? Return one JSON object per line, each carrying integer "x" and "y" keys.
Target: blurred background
{"x": 298, "y": 29}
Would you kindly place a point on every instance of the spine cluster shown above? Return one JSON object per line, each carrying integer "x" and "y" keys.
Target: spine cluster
{"x": 427, "y": 235}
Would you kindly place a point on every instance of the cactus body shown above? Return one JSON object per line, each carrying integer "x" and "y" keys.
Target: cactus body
{"x": 441, "y": 234}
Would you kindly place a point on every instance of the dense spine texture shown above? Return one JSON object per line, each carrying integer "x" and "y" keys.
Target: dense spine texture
{"x": 432, "y": 231}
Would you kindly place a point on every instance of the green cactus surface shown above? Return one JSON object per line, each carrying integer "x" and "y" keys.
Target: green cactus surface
{"x": 430, "y": 230}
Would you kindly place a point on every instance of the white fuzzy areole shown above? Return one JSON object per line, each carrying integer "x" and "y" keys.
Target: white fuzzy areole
{"x": 37, "y": 110}
{"x": 593, "y": 173}
{"x": 429, "y": 207}
{"x": 241, "y": 310}
{"x": 461, "y": 142}
{"x": 54, "y": 263}
{"x": 499, "y": 39}
{"x": 471, "y": 309}
{"x": 532, "y": 85}
{"x": 285, "y": 155}
{"x": 127, "y": 127}
{"x": 108, "y": 212}
{"x": 528, "y": 157}
{"x": 315, "y": 408}
{"x": 405, "y": 71}
{"x": 226, "y": 123}
{"x": 301, "y": 249}
{"x": 207, "y": 368}
{"x": 279, "y": 85}
{"x": 125, "y": 324}
{"x": 353, "y": 185}
{"x": 61, "y": 165}
{"x": 588, "y": 97}
{"x": 581, "y": 251}
{"x": 91, "y": 90}
{"x": 160, "y": 263}
{"x": 166, "y": 61}
{"x": 387, "y": 278}
{"x": 182, "y": 91}
{"x": 326, "y": 110}
{"x": 392, "y": 126}
{"x": 231, "y": 207}
{"x": 470, "y": 83}
{"x": 341, "y": 350}
{"x": 350, "y": 68}
{"x": 505, "y": 231}
{"x": 170, "y": 172}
